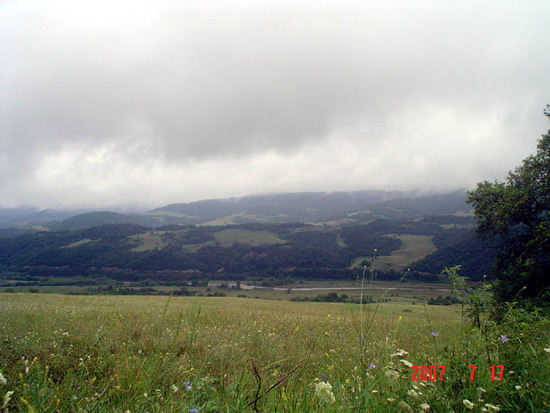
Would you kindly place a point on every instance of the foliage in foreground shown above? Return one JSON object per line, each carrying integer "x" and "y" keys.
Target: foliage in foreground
{"x": 516, "y": 214}
{"x": 153, "y": 354}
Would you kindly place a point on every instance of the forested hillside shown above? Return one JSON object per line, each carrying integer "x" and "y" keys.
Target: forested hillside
{"x": 132, "y": 252}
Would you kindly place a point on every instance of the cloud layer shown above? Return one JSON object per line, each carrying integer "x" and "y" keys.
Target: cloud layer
{"x": 130, "y": 103}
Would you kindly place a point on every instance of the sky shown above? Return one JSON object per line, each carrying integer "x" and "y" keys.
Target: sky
{"x": 138, "y": 104}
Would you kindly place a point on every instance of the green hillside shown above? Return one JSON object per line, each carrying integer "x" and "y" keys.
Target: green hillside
{"x": 276, "y": 251}
{"x": 406, "y": 233}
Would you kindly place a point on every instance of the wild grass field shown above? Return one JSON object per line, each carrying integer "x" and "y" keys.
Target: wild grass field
{"x": 61, "y": 353}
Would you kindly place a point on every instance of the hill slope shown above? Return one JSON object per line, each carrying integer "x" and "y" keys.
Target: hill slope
{"x": 335, "y": 208}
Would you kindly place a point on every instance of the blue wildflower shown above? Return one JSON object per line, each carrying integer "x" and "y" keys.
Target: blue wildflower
{"x": 187, "y": 386}
{"x": 372, "y": 366}
{"x": 503, "y": 338}
{"x": 434, "y": 335}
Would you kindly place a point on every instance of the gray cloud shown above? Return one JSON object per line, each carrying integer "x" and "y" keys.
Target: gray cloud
{"x": 100, "y": 98}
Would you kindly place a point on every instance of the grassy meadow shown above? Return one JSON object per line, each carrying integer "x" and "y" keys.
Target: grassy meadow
{"x": 62, "y": 353}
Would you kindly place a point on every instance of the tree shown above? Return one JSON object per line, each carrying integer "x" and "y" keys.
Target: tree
{"x": 516, "y": 213}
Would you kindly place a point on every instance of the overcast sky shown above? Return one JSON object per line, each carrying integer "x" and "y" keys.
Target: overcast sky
{"x": 106, "y": 104}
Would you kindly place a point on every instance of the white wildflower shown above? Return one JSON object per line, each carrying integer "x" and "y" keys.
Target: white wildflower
{"x": 392, "y": 374}
{"x": 323, "y": 390}
{"x": 425, "y": 407}
{"x": 405, "y": 407}
{"x": 412, "y": 393}
{"x": 6, "y": 399}
{"x": 481, "y": 390}
{"x": 547, "y": 349}
{"x": 2, "y": 379}
{"x": 390, "y": 399}
{"x": 406, "y": 363}
{"x": 469, "y": 405}
{"x": 492, "y": 408}
{"x": 400, "y": 353}
{"x": 175, "y": 388}
{"x": 518, "y": 387}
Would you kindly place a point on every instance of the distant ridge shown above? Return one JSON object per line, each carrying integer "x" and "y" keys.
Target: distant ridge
{"x": 285, "y": 207}
{"x": 299, "y": 207}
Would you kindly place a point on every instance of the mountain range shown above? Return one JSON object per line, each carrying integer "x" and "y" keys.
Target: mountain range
{"x": 304, "y": 207}
{"x": 276, "y": 237}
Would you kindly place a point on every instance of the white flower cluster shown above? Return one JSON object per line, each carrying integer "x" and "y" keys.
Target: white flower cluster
{"x": 490, "y": 408}
{"x": 323, "y": 390}
{"x": 7, "y": 397}
{"x": 400, "y": 353}
{"x": 425, "y": 407}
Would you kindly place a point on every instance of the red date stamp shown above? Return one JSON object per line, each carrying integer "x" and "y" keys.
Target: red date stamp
{"x": 436, "y": 372}
{"x": 425, "y": 373}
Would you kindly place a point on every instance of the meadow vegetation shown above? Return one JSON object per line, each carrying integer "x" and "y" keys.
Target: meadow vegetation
{"x": 198, "y": 354}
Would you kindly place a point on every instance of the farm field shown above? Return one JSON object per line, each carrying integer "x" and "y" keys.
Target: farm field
{"x": 201, "y": 354}
{"x": 415, "y": 247}
{"x": 405, "y": 292}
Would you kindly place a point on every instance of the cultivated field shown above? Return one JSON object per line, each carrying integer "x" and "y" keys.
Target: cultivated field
{"x": 185, "y": 354}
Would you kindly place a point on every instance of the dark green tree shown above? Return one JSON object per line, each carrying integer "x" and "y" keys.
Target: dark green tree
{"x": 516, "y": 213}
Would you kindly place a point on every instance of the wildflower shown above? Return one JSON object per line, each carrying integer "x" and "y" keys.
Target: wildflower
{"x": 503, "y": 338}
{"x": 390, "y": 399}
{"x": 406, "y": 363}
{"x": 425, "y": 407}
{"x": 187, "y": 386}
{"x": 323, "y": 390}
{"x": 434, "y": 335}
{"x": 371, "y": 366}
{"x": 492, "y": 408}
{"x": 518, "y": 387}
{"x": 324, "y": 377}
{"x": 469, "y": 405}
{"x": 392, "y": 374}
{"x": 193, "y": 410}
{"x": 412, "y": 393}
{"x": 405, "y": 407}
{"x": 400, "y": 353}
{"x": 6, "y": 399}
{"x": 481, "y": 390}
{"x": 2, "y": 379}
{"x": 547, "y": 350}
{"x": 175, "y": 388}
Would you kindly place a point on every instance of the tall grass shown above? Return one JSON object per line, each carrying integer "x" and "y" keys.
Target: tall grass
{"x": 153, "y": 354}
